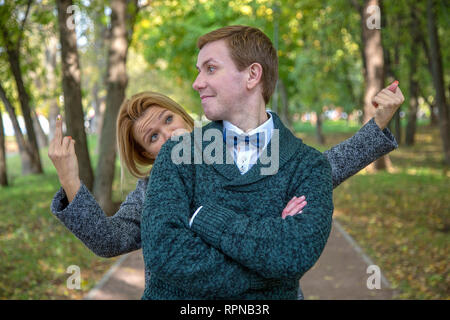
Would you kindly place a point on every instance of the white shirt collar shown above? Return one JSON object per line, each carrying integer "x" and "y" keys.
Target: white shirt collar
{"x": 266, "y": 127}
{"x": 246, "y": 158}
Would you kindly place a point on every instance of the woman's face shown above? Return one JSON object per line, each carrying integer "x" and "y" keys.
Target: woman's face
{"x": 155, "y": 126}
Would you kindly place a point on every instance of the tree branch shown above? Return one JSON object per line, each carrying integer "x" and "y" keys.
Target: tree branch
{"x": 22, "y": 27}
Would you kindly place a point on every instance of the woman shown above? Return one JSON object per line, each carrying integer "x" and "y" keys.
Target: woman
{"x": 144, "y": 123}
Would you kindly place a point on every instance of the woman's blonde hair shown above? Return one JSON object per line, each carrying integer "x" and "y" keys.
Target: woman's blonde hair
{"x": 130, "y": 151}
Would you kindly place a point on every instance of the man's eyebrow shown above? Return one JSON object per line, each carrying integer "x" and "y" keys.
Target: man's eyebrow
{"x": 207, "y": 61}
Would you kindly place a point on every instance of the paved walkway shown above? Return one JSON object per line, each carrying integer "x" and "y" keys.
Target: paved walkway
{"x": 340, "y": 273}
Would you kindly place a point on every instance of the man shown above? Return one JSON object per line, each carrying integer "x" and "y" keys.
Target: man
{"x": 215, "y": 230}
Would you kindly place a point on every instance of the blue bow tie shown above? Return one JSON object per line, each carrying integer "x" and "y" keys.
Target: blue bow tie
{"x": 231, "y": 137}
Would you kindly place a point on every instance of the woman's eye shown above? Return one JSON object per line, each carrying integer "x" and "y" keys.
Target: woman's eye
{"x": 211, "y": 69}
{"x": 154, "y": 137}
{"x": 169, "y": 119}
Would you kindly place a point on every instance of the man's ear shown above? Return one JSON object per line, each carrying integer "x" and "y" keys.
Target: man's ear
{"x": 255, "y": 71}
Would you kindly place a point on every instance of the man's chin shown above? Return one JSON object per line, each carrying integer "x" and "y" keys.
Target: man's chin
{"x": 209, "y": 114}
{"x": 211, "y": 117}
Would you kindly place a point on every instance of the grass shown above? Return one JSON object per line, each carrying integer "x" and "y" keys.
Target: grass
{"x": 35, "y": 248}
{"x": 401, "y": 219}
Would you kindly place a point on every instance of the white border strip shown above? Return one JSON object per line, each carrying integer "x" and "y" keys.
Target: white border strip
{"x": 105, "y": 278}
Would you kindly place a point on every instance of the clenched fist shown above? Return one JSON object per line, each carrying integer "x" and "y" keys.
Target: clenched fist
{"x": 387, "y": 101}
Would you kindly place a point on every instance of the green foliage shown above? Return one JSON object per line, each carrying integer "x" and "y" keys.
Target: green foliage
{"x": 312, "y": 47}
{"x": 145, "y": 78}
{"x": 39, "y": 26}
{"x": 167, "y": 34}
{"x": 321, "y": 61}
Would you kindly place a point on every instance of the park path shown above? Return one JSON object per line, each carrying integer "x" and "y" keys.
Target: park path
{"x": 339, "y": 274}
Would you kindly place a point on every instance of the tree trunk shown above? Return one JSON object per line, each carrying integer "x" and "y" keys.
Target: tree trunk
{"x": 99, "y": 116}
{"x": 25, "y": 154}
{"x": 3, "y": 176}
{"x": 390, "y": 65}
{"x": 319, "y": 132}
{"x": 284, "y": 112}
{"x": 32, "y": 146}
{"x": 434, "y": 113}
{"x": 434, "y": 121}
{"x": 413, "y": 83}
{"x": 50, "y": 65}
{"x": 398, "y": 126}
{"x": 373, "y": 56}
{"x": 41, "y": 137}
{"x": 438, "y": 80}
{"x": 412, "y": 116}
{"x": 397, "y": 120}
{"x": 99, "y": 108}
{"x": 52, "y": 114}
{"x": 102, "y": 43}
{"x": 117, "y": 80}
{"x": 71, "y": 83}
{"x": 349, "y": 85}
{"x": 40, "y": 134}
{"x": 95, "y": 104}
{"x": 374, "y": 73}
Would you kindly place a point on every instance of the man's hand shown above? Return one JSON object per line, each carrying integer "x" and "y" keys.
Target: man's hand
{"x": 62, "y": 153}
{"x": 387, "y": 102}
{"x": 294, "y": 206}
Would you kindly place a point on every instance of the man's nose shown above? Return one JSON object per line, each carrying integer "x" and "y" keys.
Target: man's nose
{"x": 198, "y": 83}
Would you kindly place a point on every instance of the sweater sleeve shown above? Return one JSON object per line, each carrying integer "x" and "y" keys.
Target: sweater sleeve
{"x": 172, "y": 252}
{"x": 355, "y": 153}
{"x": 103, "y": 235}
{"x": 272, "y": 246}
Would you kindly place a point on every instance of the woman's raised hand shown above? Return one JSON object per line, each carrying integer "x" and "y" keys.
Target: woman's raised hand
{"x": 62, "y": 153}
{"x": 390, "y": 99}
{"x": 294, "y": 206}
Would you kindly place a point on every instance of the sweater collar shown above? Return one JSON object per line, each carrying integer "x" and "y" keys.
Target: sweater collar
{"x": 288, "y": 145}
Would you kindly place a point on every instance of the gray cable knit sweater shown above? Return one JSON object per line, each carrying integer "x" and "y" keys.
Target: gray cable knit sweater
{"x": 119, "y": 234}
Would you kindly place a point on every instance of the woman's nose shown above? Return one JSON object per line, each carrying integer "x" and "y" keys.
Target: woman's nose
{"x": 166, "y": 134}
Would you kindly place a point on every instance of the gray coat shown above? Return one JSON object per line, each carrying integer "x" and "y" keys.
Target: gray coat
{"x": 119, "y": 234}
